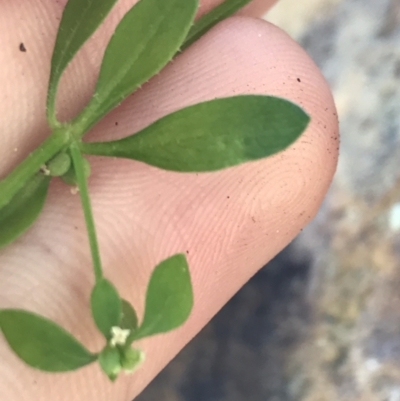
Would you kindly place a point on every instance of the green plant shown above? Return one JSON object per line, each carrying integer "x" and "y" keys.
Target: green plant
{"x": 205, "y": 137}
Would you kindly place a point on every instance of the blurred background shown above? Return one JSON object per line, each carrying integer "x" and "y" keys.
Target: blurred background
{"x": 321, "y": 322}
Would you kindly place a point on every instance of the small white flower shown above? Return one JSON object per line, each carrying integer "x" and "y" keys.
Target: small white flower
{"x": 45, "y": 170}
{"x": 119, "y": 336}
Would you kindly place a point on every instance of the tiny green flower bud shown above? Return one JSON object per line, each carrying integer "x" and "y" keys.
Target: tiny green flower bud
{"x": 109, "y": 360}
{"x": 69, "y": 176}
{"x": 131, "y": 359}
{"x": 59, "y": 165}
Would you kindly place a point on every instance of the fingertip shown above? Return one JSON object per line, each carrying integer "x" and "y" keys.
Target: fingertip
{"x": 233, "y": 222}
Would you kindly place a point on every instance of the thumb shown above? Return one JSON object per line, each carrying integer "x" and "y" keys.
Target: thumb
{"x": 229, "y": 223}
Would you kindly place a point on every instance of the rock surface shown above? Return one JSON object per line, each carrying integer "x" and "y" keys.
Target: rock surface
{"x": 321, "y": 322}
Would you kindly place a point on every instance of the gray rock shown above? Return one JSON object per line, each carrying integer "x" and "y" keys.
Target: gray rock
{"x": 355, "y": 276}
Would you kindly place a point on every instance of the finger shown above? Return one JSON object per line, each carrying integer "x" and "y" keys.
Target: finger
{"x": 145, "y": 214}
{"x": 233, "y": 222}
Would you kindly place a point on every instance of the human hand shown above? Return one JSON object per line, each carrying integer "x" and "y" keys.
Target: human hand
{"x": 230, "y": 223}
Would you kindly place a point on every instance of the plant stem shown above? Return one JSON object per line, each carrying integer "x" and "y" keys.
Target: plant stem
{"x": 60, "y": 139}
{"x": 216, "y": 15}
{"x": 77, "y": 160}
{"x": 15, "y": 181}
{"x": 97, "y": 148}
{"x": 65, "y": 134}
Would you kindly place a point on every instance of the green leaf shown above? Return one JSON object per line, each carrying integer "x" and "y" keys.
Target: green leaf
{"x": 145, "y": 40}
{"x": 41, "y": 343}
{"x": 19, "y": 214}
{"x": 79, "y": 21}
{"x": 106, "y": 306}
{"x": 129, "y": 318}
{"x": 212, "y": 135}
{"x": 169, "y": 298}
{"x": 212, "y": 18}
{"x": 110, "y": 362}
